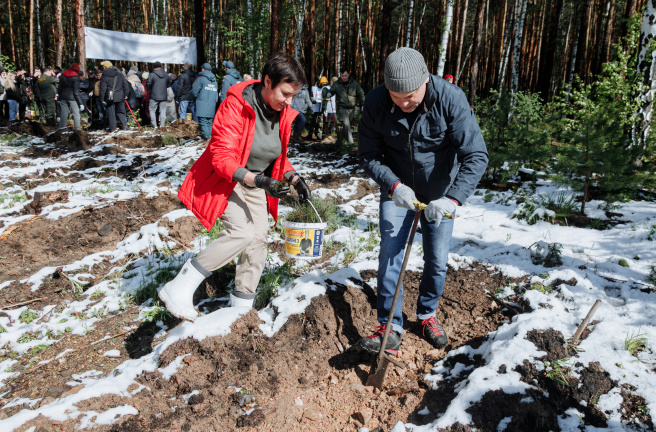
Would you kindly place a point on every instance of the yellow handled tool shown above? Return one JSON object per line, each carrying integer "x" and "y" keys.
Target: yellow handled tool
{"x": 421, "y": 206}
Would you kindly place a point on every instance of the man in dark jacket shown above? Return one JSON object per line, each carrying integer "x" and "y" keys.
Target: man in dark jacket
{"x": 69, "y": 96}
{"x": 47, "y": 89}
{"x": 349, "y": 96}
{"x": 231, "y": 77}
{"x": 419, "y": 140}
{"x": 206, "y": 93}
{"x": 158, "y": 82}
{"x": 113, "y": 82}
{"x": 183, "y": 94}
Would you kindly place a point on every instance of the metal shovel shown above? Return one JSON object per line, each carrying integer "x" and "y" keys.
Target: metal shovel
{"x": 379, "y": 367}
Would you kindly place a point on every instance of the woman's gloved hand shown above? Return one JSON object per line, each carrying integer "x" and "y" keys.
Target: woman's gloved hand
{"x": 272, "y": 187}
{"x": 301, "y": 188}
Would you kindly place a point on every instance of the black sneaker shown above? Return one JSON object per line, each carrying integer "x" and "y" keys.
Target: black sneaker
{"x": 434, "y": 333}
{"x": 372, "y": 343}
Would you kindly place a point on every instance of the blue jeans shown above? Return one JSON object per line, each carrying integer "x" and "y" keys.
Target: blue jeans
{"x": 395, "y": 225}
{"x": 300, "y": 122}
{"x": 192, "y": 107}
{"x": 102, "y": 109}
{"x": 13, "y": 109}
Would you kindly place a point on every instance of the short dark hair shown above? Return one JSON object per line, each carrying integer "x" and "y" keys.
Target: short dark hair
{"x": 187, "y": 65}
{"x": 284, "y": 68}
{"x": 344, "y": 69}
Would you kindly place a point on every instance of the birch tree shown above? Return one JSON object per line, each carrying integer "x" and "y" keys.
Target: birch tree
{"x": 517, "y": 45}
{"x": 445, "y": 37}
{"x": 647, "y": 74}
{"x": 299, "y": 30}
{"x": 59, "y": 36}
{"x": 409, "y": 32}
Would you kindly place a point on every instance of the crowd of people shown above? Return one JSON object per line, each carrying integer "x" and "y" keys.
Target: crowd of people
{"x": 113, "y": 95}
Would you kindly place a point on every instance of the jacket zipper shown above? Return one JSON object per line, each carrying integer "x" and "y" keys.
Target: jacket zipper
{"x": 412, "y": 158}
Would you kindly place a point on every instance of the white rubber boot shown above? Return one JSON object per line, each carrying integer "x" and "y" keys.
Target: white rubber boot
{"x": 178, "y": 295}
{"x": 241, "y": 302}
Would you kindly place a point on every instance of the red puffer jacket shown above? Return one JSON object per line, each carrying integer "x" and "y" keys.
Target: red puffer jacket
{"x": 209, "y": 183}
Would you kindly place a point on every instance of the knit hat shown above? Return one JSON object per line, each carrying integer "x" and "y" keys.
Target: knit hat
{"x": 75, "y": 67}
{"x": 446, "y": 77}
{"x": 80, "y": 73}
{"x": 228, "y": 64}
{"x": 206, "y": 66}
{"x": 405, "y": 70}
{"x": 157, "y": 65}
{"x": 134, "y": 68}
{"x": 106, "y": 64}
{"x": 145, "y": 75}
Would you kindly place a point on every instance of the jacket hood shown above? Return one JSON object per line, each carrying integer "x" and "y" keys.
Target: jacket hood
{"x": 70, "y": 73}
{"x": 160, "y": 73}
{"x": 190, "y": 72}
{"x": 110, "y": 73}
{"x": 233, "y": 73}
{"x": 209, "y": 75}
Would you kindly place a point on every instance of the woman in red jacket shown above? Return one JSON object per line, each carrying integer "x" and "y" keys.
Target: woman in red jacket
{"x": 239, "y": 179}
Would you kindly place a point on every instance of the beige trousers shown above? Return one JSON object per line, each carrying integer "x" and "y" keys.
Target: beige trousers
{"x": 246, "y": 225}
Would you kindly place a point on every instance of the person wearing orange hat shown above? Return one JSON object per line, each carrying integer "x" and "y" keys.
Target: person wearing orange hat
{"x": 69, "y": 96}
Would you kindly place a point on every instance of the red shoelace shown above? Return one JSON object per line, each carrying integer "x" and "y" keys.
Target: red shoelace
{"x": 380, "y": 332}
{"x": 432, "y": 323}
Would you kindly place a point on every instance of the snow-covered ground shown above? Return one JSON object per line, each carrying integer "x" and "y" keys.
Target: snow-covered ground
{"x": 485, "y": 231}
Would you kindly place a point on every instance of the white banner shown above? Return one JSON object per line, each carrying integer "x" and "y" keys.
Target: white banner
{"x": 113, "y": 45}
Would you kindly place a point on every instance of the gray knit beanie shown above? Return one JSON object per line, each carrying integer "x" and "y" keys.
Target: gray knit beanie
{"x": 405, "y": 70}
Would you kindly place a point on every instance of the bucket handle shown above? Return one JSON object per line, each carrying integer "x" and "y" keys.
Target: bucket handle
{"x": 315, "y": 210}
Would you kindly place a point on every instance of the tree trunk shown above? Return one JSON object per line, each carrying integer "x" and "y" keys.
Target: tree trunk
{"x": 421, "y": 20}
{"x": 199, "y": 21}
{"x": 503, "y": 66}
{"x": 572, "y": 65}
{"x": 445, "y": 37}
{"x": 79, "y": 30}
{"x": 461, "y": 41}
{"x": 12, "y": 40}
{"x": 38, "y": 35}
{"x": 473, "y": 76}
{"x": 338, "y": 35}
{"x": 31, "y": 70}
{"x": 59, "y": 36}
{"x": 584, "y": 36}
{"x": 364, "y": 59}
{"x": 631, "y": 9}
{"x": 647, "y": 73}
{"x": 311, "y": 50}
{"x": 549, "y": 49}
{"x": 604, "y": 52}
{"x": 275, "y": 29}
{"x": 408, "y": 35}
{"x": 299, "y": 30}
{"x": 517, "y": 45}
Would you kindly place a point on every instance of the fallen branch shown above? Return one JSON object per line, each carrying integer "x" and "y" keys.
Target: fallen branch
{"x": 584, "y": 324}
{"x": 22, "y": 303}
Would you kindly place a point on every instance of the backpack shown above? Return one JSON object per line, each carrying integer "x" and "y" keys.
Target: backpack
{"x": 139, "y": 89}
{"x": 132, "y": 99}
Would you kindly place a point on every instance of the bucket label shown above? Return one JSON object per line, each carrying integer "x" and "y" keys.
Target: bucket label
{"x": 304, "y": 243}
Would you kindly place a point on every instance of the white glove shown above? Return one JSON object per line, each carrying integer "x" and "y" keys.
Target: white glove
{"x": 403, "y": 196}
{"x": 436, "y": 209}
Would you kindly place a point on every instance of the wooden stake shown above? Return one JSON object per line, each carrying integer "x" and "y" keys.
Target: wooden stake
{"x": 584, "y": 324}
{"x": 22, "y": 303}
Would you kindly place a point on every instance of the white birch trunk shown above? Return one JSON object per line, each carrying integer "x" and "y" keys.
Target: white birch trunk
{"x": 445, "y": 37}
{"x": 421, "y": 20}
{"x": 166, "y": 19}
{"x": 299, "y": 31}
{"x": 408, "y": 34}
{"x": 338, "y": 66}
{"x": 364, "y": 59}
{"x": 646, "y": 71}
{"x": 505, "y": 49}
{"x": 517, "y": 46}
{"x": 251, "y": 67}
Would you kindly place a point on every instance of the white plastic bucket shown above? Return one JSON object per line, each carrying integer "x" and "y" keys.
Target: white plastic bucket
{"x": 304, "y": 240}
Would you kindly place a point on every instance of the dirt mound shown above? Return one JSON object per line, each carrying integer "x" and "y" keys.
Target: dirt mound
{"x": 183, "y": 129}
{"x": 138, "y": 141}
{"x": 68, "y": 140}
{"x": 37, "y": 243}
{"x": 32, "y": 128}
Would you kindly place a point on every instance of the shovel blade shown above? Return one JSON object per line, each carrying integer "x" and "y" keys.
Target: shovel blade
{"x": 376, "y": 377}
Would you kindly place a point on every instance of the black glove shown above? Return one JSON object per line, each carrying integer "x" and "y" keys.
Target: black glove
{"x": 302, "y": 189}
{"x": 271, "y": 186}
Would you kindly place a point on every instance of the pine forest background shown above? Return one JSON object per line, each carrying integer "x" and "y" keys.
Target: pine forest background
{"x": 567, "y": 84}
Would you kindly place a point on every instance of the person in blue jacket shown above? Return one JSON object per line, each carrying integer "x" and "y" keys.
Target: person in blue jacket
{"x": 206, "y": 93}
{"x": 419, "y": 140}
{"x": 231, "y": 77}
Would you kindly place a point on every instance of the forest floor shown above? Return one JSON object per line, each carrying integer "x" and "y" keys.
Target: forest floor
{"x": 89, "y": 222}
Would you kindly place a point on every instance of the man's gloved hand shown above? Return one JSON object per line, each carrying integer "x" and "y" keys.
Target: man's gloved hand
{"x": 271, "y": 186}
{"x": 403, "y": 196}
{"x": 302, "y": 189}
{"x": 436, "y": 209}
